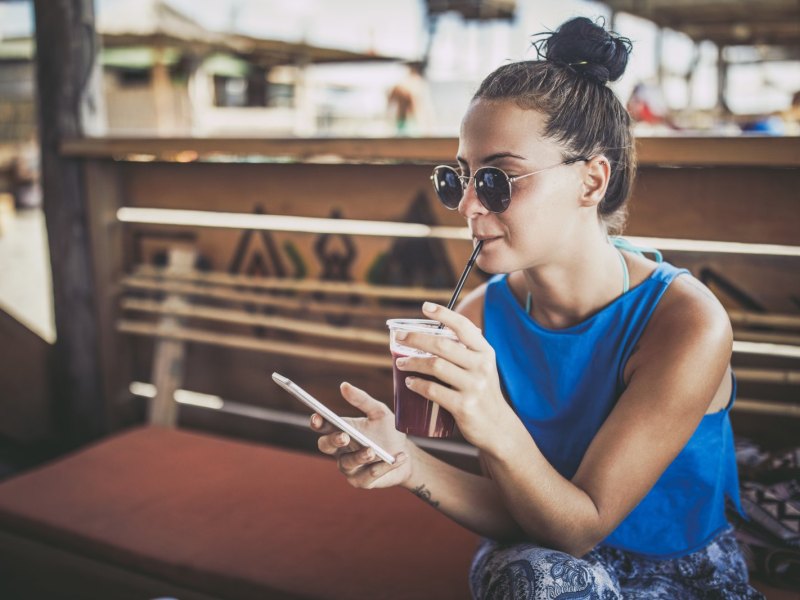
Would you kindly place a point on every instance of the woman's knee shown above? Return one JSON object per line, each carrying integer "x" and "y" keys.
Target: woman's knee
{"x": 529, "y": 571}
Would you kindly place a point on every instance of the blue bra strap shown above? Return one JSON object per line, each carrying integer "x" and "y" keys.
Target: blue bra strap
{"x": 626, "y": 278}
{"x": 623, "y": 244}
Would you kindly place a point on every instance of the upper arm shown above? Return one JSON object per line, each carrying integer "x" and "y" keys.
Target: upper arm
{"x": 680, "y": 362}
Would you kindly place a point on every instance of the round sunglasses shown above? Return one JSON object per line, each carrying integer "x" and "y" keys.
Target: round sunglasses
{"x": 492, "y": 185}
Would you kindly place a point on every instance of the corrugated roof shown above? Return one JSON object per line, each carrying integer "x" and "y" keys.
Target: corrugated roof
{"x": 724, "y": 22}
{"x": 156, "y": 23}
{"x": 147, "y": 18}
{"x": 481, "y": 10}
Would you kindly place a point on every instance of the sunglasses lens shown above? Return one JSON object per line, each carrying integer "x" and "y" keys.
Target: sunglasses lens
{"x": 448, "y": 186}
{"x": 494, "y": 189}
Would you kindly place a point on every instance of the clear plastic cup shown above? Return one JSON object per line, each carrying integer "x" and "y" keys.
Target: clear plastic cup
{"x": 415, "y": 414}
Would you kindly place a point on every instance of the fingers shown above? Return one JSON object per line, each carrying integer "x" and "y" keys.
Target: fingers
{"x": 320, "y": 425}
{"x": 351, "y": 462}
{"x": 435, "y": 392}
{"x": 439, "y": 345}
{"x": 334, "y": 442}
{"x": 468, "y": 352}
{"x": 369, "y": 476}
{"x": 372, "y": 408}
{"x": 466, "y": 331}
{"x": 437, "y": 367}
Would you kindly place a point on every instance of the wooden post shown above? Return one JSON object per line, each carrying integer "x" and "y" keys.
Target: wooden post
{"x": 162, "y": 93}
{"x": 170, "y": 354}
{"x": 722, "y": 82}
{"x": 659, "y": 59}
{"x": 65, "y": 56}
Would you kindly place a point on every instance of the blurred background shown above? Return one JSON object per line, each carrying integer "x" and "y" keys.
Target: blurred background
{"x": 358, "y": 68}
{"x": 316, "y": 67}
{"x": 194, "y": 193}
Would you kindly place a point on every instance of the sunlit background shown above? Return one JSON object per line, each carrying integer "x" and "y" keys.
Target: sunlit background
{"x": 259, "y": 67}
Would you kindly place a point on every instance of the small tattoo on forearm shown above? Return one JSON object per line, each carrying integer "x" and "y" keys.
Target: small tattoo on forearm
{"x": 425, "y": 494}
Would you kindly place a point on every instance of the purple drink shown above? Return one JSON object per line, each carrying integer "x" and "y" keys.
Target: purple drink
{"x": 415, "y": 414}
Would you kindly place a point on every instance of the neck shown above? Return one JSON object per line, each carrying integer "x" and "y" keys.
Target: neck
{"x": 575, "y": 283}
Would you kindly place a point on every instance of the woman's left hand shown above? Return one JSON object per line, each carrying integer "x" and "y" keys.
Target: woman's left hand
{"x": 473, "y": 397}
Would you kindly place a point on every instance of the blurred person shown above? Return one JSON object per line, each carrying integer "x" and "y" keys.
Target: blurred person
{"x": 409, "y": 102}
{"x": 791, "y": 116}
{"x": 786, "y": 122}
{"x": 594, "y": 382}
{"x": 646, "y": 106}
{"x": 26, "y": 187}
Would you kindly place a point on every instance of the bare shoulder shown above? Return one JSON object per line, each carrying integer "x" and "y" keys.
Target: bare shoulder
{"x": 471, "y": 306}
{"x": 691, "y": 309}
{"x": 689, "y": 321}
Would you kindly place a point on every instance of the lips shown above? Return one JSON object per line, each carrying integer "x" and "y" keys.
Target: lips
{"x": 485, "y": 238}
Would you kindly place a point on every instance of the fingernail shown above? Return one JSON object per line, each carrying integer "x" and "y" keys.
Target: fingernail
{"x": 401, "y": 335}
{"x": 429, "y": 307}
{"x": 409, "y": 380}
{"x": 342, "y": 438}
{"x": 401, "y": 362}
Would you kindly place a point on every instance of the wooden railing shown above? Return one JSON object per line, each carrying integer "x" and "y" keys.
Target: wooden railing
{"x": 712, "y": 195}
{"x": 212, "y": 303}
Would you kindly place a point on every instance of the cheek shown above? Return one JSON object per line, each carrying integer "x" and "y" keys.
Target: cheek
{"x": 544, "y": 207}
{"x": 529, "y": 212}
{"x": 537, "y": 224}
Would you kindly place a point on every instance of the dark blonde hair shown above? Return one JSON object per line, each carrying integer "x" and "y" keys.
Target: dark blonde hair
{"x": 567, "y": 84}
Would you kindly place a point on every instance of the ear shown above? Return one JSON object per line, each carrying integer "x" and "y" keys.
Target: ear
{"x": 595, "y": 181}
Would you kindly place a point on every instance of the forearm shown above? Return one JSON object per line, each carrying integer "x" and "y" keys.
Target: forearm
{"x": 471, "y": 500}
{"x": 549, "y": 508}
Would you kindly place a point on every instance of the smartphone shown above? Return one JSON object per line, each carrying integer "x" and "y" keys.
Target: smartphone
{"x": 330, "y": 416}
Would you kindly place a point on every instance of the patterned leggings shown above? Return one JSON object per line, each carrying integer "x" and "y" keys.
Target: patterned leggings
{"x": 529, "y": 572}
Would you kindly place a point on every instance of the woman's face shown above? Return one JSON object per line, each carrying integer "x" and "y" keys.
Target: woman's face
{"x": 544, "y": 208}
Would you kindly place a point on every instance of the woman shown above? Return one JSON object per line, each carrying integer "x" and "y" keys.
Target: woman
{"x": 594, "y": 382}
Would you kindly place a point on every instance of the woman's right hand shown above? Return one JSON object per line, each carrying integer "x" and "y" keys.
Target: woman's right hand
{"x": 360, "y": 465}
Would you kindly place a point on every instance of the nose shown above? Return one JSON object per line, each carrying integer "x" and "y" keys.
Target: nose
{"x": 470, "y": 206}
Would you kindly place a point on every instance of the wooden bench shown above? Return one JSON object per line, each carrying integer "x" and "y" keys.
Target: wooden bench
{"x": 164, "y": 512}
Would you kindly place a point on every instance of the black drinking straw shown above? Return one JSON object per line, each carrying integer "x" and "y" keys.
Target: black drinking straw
{"x": 464, "y": 275}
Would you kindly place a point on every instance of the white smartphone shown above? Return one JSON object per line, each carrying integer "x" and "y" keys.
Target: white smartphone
{"x": 330, "y": 416}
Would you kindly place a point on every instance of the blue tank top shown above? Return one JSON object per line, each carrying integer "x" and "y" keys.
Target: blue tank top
{"x": 564, "y": 383}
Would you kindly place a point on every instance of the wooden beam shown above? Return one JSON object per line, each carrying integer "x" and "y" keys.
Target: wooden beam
{"x": 66, "y": 51}
{"x": 247, "y": 342}
{"x": 698, "y": 151}
{"x": 746, "y": 319}
{"x": 778, "y": 409}
{"x": 776, "y": 376}
{"x": 242, "y": 317}
{"x": 305, "y": 305}
{"x": 339, "y": 288}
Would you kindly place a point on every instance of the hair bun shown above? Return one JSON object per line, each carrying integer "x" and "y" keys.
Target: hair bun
{"x": 587, "y": 48}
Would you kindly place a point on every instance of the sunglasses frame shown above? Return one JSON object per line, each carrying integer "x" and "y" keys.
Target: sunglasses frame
{"x": 510, "y": 180}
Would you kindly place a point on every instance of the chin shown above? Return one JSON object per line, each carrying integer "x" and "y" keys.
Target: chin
{"x": 492, "y": 266}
